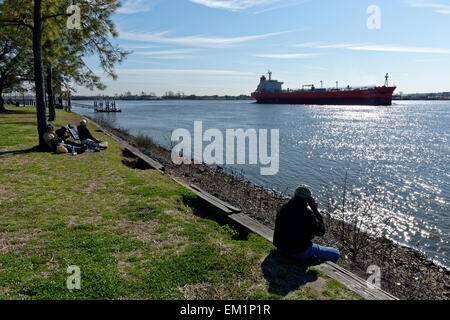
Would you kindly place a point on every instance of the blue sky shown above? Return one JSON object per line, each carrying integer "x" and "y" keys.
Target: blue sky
{"x": 224, "y": 46}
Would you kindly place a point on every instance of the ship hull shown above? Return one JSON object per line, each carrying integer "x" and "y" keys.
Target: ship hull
{"x": 381, "y": 96}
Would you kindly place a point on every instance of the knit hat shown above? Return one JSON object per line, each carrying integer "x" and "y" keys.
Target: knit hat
{"x": 303, "y": 192}
{"x": 50, "y": 126}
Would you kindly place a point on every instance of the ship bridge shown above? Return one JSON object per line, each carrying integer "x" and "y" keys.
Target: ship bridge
{"x": 269, "y": 86}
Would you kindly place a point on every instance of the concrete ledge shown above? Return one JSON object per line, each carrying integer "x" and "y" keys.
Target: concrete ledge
{"x": 152, "y": 163}
{"x": 354, "y": 283}
{"x": 349, "y": 279}
{"x": 212, "y": 199}
{"x": 253, "y": 225}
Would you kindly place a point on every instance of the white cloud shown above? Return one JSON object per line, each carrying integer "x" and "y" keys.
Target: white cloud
{"x": 338, "y": 45}
{"x": 194, "y": 41}
{"x": 390, "y": 48}
{"x": 174, "y": 57}
{"x": 183, "y": 72}
{"x": 140, "y": 47}
{"x": 286, "y": 55}
{"x": 240, "y": 5}
{"x": 437, "y": 7}
{"x": 164, "y": 52}
{"x": 321, "y": 45}
{"x": 136, "y": 6}
{"x": 234, "y": 5}
{"x": 167, "y": 54}
{"x": 372, "y": 47}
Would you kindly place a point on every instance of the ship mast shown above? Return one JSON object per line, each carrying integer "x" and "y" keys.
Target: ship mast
{"x": 386, "y": 82}
{"x": 270, "y": 74}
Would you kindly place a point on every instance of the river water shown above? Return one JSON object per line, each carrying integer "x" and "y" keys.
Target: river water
{"x": 392, "y": 162}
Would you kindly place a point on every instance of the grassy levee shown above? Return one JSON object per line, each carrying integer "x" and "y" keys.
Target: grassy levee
{"x": 131, "y": 232}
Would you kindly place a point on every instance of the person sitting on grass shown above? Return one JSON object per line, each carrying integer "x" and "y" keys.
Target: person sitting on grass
{"x": 85, "y": 135}
{"x": 63, "y": 133}
{"x": 56, "y": 144}
{"x": 296, "y": 224}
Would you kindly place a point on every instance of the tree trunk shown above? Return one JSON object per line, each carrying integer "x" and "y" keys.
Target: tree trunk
{"x": 51, "y": 97}
{"x": 2, "y": 103}
{"x": 38, "y": 71}
{"x": 69, "y": 99}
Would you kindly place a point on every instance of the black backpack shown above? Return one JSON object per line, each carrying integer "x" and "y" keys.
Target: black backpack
{"x": 56, "y": 141}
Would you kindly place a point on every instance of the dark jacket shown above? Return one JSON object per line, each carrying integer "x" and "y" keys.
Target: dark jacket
{"x": 295, "y": 227}
{"x": 63, "y": 134}
{"x": 84, "y": 133}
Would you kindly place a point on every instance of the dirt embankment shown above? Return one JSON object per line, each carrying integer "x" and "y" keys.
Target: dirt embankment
{"x": 405, "y": 272}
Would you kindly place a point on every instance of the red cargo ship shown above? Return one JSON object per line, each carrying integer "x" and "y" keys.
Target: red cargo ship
{"x": 270, "y": 91}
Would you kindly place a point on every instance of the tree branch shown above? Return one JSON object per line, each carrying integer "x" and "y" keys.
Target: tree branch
{"x": 55, "y": 16}
{"x": 17, "y": 22}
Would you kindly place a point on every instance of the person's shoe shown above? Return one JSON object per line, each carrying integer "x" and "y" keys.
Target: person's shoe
{"x": 83, "y": 149}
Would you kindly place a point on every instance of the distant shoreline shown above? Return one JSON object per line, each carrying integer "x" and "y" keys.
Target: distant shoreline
{"x": 394, "y": 98}
{"x": 148, "y": 98}
{"x": 419, "y": 99}
{"x": 410, "y": 97}
{"x": 439, "y": 96}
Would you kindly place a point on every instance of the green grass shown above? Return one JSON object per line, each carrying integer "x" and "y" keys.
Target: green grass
{"x": 131, "y": 232}
{"x": 307, "y": 294}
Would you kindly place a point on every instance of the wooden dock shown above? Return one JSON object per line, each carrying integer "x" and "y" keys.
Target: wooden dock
{"x": 106, "y": 106}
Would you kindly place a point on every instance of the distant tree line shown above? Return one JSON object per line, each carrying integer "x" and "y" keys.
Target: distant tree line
{"x": 166, "y": 96}
{"x": 422, "y": 96}
{"x": 205, "y": 97}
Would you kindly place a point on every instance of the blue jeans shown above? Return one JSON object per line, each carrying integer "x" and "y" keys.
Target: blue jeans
{"x": 90, "y": 143}
{"x": 70, "y": 147}
{"x": 326, "y": 253}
